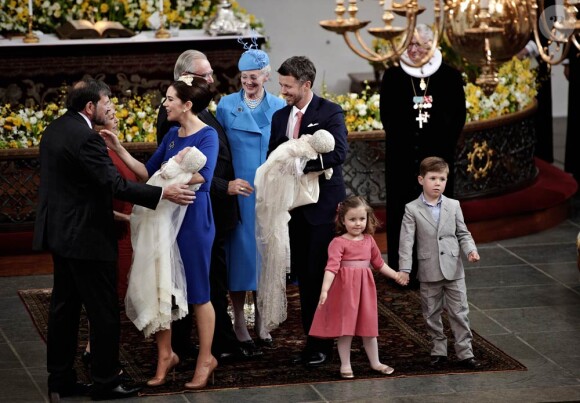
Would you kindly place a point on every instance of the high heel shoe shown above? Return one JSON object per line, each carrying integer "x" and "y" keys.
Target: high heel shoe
{"x": 199, "y": 381}
{"x": 385, "y": 369}
{"x": 161, "y": 381}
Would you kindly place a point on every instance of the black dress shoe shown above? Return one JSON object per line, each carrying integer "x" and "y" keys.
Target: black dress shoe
{"x": 118, "y": 392}
{"x": 299, "y": 359}
{"x": 77, "y": 389}
{"x": 248, "y": 350}
{"x": 317, "y": 359}
{"x": 470, "y": 363}
{"x": 266, "y": 343}
{"x": 438, "y": 360}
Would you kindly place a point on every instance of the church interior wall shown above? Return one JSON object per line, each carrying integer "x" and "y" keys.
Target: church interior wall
{"x": 293, "y": 29}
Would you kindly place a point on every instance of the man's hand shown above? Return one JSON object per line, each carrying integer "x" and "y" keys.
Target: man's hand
{"x": 240, "y": 187}
{"x": 473, "y": 257}
{"x": 179, "y": 194}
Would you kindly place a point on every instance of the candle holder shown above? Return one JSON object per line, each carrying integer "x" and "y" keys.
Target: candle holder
{"x": 161, "y": 32}
{"x": 30, "y": 36}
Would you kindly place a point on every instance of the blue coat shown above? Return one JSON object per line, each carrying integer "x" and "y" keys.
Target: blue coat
{"x": 248, "y": 133}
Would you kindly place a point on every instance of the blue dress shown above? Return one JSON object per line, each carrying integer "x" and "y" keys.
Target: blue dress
{"x": 248, "y": 133}
{"x": 195, "y": 238}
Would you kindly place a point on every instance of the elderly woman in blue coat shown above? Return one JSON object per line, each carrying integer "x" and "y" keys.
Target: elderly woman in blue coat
{"x": 246, "y": 117}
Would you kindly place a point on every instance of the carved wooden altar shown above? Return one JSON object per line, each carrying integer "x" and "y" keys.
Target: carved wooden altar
{"x": 35, "y": 72}
{"x": 493, "y": 157}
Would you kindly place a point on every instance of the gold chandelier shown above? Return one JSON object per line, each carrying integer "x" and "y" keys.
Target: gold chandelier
{"x": 484, "y": 32}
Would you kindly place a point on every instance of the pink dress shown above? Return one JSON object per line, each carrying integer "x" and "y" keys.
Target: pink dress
{"x": 351, "y": 306}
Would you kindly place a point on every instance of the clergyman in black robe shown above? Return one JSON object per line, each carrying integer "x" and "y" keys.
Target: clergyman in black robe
{"x": 423, "y": 112}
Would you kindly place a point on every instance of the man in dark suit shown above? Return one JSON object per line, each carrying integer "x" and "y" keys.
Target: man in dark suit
{"x": 224, "y": 188}
{"x": 74, "y": 220}
{"x": 311, "y": 226}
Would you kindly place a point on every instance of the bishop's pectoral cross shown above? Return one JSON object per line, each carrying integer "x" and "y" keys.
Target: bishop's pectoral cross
{"x": 422, "y": 118}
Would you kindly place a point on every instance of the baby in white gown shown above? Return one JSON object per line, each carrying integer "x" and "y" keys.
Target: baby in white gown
{"x": 157, "y": 272}
{"x": 281, "y": 185}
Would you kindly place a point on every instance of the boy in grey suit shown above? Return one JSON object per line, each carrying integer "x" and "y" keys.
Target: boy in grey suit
{"x": 437, "y": 223}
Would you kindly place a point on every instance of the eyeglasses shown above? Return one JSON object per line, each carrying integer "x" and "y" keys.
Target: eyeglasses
{"x": 416, "y": 45}
{"x": 205, "y": 76}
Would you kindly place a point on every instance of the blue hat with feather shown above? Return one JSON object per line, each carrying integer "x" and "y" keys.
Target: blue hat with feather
{"x": 253, "y": 58}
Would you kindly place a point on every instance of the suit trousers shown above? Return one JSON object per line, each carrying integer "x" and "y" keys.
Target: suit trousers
{"x": 452, "y": 295}
{"x": 94, "y": 285}
{"x": 309, "y": 254}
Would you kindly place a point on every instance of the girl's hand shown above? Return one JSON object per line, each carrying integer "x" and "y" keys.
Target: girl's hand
{"x": 402, "y": 278}
{"x": 111, "y": 140}
{"x": 323, "y": 296}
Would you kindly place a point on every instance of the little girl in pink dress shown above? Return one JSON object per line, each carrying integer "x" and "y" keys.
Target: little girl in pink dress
{"x": 348, "y": 300}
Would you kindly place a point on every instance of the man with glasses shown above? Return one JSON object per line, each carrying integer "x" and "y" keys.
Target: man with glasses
{"x": 225, "y": 208}
{"x": 423, "y": 113}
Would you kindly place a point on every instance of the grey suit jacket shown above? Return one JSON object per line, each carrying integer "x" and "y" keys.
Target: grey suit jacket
{"x": 438, "y": 246}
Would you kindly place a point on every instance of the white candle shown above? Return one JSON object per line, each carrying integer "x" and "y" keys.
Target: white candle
{"x": 30, "y": 8}
{"x": 161, "y": 6}
{"x": 484, "y": 3}
{"x": 388, "y": 5}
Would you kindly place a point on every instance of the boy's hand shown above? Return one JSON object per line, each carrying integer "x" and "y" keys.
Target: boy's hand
{"x": 403, "y": 278}
{"x": 322, "y": 298}
{"x": 473, "y": 257}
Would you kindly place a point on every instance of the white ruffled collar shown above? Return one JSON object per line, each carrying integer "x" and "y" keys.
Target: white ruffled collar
{"x": 428, "y": 69}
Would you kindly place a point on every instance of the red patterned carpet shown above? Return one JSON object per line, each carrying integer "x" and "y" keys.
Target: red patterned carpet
{"x": 403, "y": 344}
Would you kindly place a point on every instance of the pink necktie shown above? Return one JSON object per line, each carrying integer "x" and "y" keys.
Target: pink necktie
{"x": 296, "y": 132}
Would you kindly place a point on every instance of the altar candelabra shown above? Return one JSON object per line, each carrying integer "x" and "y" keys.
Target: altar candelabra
{"x": 485, "y": 32}
{"x": 30, "y": 36}
{"x": 162, "y": 32}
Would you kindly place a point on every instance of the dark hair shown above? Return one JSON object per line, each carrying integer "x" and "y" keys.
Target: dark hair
{"x": 352, "y": 202}
{"x": 199, "y": 93}
{"x": 433, "y": 164}
{"x": 85, "y": 91}
{"x": 299, "y": 67}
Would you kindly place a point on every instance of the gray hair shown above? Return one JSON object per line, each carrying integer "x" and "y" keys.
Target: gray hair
{"x": 266, "y": 71}
{"x": 424, "y": 32}
{"x": 185, "y": 61}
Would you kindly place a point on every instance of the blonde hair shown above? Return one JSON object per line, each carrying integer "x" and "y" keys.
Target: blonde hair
{"x": 350, "y": 203}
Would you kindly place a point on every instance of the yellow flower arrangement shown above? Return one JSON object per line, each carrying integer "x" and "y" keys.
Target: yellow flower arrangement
{"x": 136, "y": 119}
{"x": 23, "y": 127}
{"x": 516, "y": 90}
{"x": 361, "y": 111}
{"x": 133, "y": 14}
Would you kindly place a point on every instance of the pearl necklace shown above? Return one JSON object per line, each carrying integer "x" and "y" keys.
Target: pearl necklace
{"x": 253, "y": 103}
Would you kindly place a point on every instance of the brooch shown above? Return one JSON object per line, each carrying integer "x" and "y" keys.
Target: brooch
{"x": 171, "y": 145}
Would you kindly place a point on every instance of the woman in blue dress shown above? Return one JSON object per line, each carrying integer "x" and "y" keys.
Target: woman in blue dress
{"x": 246, "y": 117}
{"x": 185, "y": 98}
